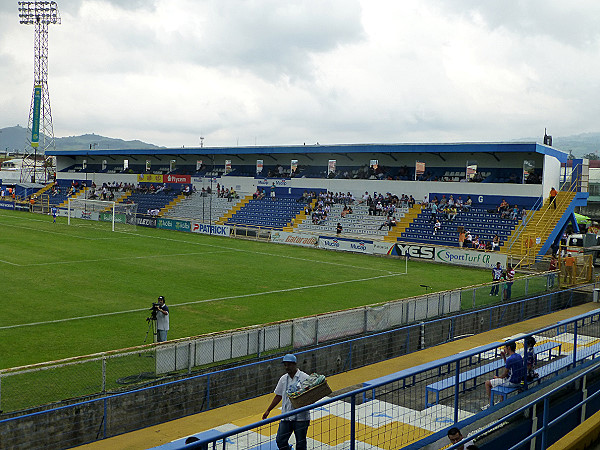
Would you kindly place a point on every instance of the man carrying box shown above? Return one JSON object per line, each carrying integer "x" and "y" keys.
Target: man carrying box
{"x": 297, "y": 424}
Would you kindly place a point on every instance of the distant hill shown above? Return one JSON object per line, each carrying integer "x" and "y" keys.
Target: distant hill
{"x": 578, "y": 144}
{"x": 14, "y": 138}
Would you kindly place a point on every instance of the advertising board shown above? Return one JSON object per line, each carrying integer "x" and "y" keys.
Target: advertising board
{"x": 401, "y": 249}
{"x": 303, "y": 239}
{"x": 216, "y": 230}
{"x": 472, "y": 258}
{"x": 173, "y": 224}
{"x": 185, "y": 179}
{"x": 87, "y": 215}
{"x": 149, "y": 178}
{"x": 149, "y": 222}
{"x": 348, "y": 245}
{"x": 7, "y": 205}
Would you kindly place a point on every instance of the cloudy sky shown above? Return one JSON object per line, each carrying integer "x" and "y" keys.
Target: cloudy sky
{"x": 288, "y": 72}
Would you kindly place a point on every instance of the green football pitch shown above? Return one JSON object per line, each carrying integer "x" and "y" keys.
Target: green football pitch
{"x": 77, "y": 289}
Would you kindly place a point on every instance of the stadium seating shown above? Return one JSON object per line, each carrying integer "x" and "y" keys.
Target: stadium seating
{"x": 202, "y": 209}
{"x": 478, "y": 221}
{"x": 358, "y": 223}
{"x": 267, "y": 213}
{"x": 146, "y": 201}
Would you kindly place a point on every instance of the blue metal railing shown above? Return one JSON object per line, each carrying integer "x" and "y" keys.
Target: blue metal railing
{"x": 220, "y": 441}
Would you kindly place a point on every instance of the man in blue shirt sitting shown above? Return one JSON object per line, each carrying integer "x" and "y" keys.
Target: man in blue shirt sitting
{"x": 513, "y": 372}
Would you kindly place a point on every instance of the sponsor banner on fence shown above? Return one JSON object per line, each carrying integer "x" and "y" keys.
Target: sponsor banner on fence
{"x": 217, "y": 230}
{"x": 348, "y": 245}
{"x": 471, "y": 258}
{"x": 146, "y": 222}
{"x": 303, "y": 239}
{"x": 149, "y": 178}
{"x": 401, "y": 249}
{"x": 7, "y": 205}
{"x": 173, "y": 224}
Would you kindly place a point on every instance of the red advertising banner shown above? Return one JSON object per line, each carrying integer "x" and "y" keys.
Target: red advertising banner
{"x": 185, "y": 179}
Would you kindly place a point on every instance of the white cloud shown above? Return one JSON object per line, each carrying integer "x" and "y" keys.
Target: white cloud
{"x": 275, "y": 72}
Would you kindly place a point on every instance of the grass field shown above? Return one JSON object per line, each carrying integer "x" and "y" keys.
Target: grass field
{"x": 80, "y": 289}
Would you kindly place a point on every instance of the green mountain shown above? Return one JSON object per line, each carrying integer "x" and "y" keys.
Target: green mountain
{"x": 13, "y": 139}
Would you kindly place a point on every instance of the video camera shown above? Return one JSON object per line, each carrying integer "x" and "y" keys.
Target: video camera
{"x": 153, "y": 312}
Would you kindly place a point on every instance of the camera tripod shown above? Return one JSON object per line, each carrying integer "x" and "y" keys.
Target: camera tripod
{"x": 151, "y": 326}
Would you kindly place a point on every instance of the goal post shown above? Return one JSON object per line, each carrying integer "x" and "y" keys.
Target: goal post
{"x": 104, "y": 211}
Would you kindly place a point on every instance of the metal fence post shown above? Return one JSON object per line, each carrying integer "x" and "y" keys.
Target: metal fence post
{"x": 353, "y": 422}
{"x": 103, "y": 374}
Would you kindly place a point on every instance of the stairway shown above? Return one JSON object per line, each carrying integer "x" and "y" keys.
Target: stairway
{"x": 299, "y": 218}
{"x": 539, "y": 227}
{"x": 403, "y": 224}
{"x": 233, "y": 210}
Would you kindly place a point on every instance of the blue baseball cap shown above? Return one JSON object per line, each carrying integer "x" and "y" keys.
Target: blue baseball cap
{"x": 289, "y": 358}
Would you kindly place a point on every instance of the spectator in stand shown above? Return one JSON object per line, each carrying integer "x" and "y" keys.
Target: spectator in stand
{"x": 496, "y": 243}
{"x": 475, "y": 243}
{"x": 481, "y": 245}
{"x": 531, "y": 358}
{"x": 437, "y": 227}
{"x": 513, "y": 372}
{"x": 434, "y": 209}
{"x": 452, "y": 213}
{"x": 468, "y": 204}
{"x": 455, "y": 436}
{"x": 503, "y": 208}
{"x": 461, "y": 237}
{"x": 468, "y": 239}
{"x": 459, "y": 203}
{"x": 514, "y": 213}
{"x": 338, "y": 229}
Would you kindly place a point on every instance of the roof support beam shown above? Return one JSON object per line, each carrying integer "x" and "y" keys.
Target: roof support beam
{"x": 494, "y": 155}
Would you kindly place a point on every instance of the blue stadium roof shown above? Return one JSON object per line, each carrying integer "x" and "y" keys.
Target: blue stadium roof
{"x": 465, "y": 147}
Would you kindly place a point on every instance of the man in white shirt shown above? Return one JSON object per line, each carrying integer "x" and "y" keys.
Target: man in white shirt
{"x": 298, "y": 424}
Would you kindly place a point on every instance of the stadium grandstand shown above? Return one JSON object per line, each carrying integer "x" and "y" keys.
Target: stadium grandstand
{"x": 403, "y": 373}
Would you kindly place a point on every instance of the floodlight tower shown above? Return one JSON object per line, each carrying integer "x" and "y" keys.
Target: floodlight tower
{"x": 40, "y": 130}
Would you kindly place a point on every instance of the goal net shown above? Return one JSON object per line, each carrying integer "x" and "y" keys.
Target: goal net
{"x": 116, "y": 214}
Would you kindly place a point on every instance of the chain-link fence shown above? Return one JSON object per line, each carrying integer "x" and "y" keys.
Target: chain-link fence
{"x": 28, "y": 387}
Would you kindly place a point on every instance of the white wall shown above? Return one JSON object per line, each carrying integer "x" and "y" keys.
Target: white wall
{"x": 418, "y": 189}
{"x": 551, "y": 176}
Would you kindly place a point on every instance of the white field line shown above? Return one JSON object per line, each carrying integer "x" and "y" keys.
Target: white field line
{"x": 232, "y": 297}
{"x": 118, "y": 258}
{"x": 37, "y": 230}
{"x": 220, "y": 247}
{"x": 297, "y": 258}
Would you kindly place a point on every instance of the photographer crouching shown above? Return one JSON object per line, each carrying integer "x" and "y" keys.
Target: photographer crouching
{"x": 162, "y": 319}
